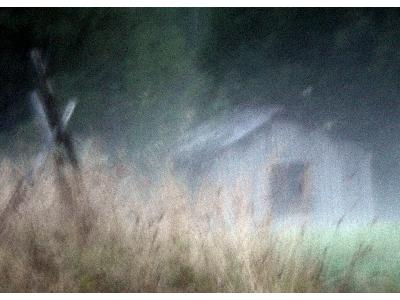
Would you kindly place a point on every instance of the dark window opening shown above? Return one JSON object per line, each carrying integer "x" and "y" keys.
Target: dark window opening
{"x": 290, "y": 188}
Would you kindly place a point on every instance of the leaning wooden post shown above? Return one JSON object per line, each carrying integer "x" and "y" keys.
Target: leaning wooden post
{"x": 61, "y": 136}
{"x": 61, "y": 139}
{"x": 59, "y": 145}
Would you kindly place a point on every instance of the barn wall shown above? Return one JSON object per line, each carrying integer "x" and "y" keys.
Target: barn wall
{"x": 357, "y": 183}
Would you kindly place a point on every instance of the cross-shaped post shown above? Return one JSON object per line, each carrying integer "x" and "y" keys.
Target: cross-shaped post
{"x": 58, "y": 144}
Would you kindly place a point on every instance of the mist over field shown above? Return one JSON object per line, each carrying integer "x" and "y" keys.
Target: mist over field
{"x": 199, "y": 129}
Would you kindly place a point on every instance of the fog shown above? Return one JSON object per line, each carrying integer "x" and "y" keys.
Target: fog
{"x": 224, "y": 96}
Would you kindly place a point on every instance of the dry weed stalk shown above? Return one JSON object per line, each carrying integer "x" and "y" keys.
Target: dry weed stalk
{"x": 156, "y": 241}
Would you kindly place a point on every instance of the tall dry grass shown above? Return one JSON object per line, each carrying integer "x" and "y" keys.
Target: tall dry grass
{"x": 146, "y": 236}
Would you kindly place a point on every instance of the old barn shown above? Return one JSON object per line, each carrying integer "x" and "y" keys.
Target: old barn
{"x": 284, "y": 168}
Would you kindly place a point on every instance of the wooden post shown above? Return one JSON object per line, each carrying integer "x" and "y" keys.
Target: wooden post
{"x": 59, "y": 146}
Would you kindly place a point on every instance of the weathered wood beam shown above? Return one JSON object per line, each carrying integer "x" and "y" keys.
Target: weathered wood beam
{"x": 54, "y": 128}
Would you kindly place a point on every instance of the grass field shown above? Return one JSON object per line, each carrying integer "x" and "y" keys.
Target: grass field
{"x": 126, "y": 234}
